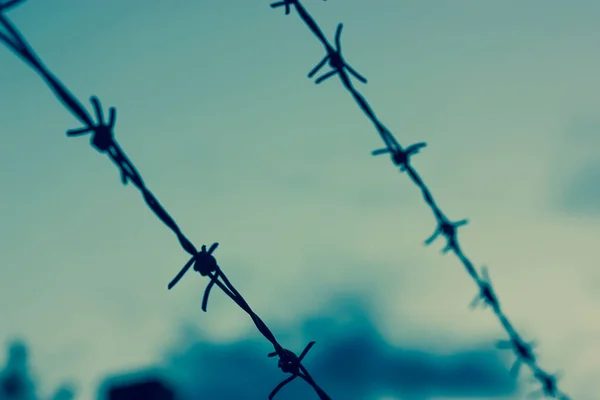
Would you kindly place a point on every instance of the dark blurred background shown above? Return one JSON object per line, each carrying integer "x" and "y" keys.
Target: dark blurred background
{"x": 351, "y": 360}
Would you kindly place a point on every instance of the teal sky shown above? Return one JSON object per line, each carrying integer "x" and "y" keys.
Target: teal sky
{"x": 215, "y": 110}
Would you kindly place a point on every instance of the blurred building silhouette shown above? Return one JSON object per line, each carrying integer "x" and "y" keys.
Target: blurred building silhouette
{"x": 16, "y": 382}
{"x": 138, "y": 386}
{"x": 152, "y": 389}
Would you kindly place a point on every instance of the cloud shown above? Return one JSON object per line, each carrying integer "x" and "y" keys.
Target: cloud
{"x": 582, "y": 191}
{"x": 579, "y": 192}
{"x": 351, "y": 360}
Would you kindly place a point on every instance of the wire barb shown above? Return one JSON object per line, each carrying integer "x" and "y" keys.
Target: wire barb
{"x": 447, "y": 229}
{"x": 289, "y": 363}
{"x": 401, "y": 157}
{"x": 336, "y": 62}
{"x": 549, "y": 385}
{"x": 285, "y": 3}
{"x": 205, "y": 264}
{"x": 523, "y": 351}
{"x": 103, "y": 141}
{"x": 102, "y": 133}
{"x": 486, "y": 292}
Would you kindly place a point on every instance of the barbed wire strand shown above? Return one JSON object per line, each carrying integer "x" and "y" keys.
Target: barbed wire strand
{"x": 445, "y": 227}
{"x": 102, "y": 139}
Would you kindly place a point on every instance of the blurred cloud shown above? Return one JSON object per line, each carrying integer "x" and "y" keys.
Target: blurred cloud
{"x": 582, "y": 192}
{"x": 579, "y": 193}
{"x": 351, "y": 360}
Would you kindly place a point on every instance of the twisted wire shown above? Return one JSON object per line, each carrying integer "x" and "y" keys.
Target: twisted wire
{"x": 103, "y": 140}
{"x": 445, "y": 227}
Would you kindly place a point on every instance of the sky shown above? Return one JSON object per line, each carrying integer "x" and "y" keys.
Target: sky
{"x": 323, "y": 240}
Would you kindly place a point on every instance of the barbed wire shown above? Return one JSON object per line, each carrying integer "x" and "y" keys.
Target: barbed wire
{"x": 103, "y": 140}
{"x": 445, "y": 227}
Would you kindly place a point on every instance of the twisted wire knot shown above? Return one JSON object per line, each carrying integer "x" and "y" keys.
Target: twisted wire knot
{"x": 289, "y": 363}
{"x": 400, "y": 156}
{"x": 102, "y": 133}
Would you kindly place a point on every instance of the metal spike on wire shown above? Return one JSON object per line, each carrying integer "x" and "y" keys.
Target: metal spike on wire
{"x": 336, "y": 61}
{"x": 445, "y": 227}
{"x": 103, "y": 140}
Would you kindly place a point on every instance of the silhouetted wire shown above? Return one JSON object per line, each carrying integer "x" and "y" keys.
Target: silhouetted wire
{"x": 445, "y": 227}
{"x": 102, "y": 139}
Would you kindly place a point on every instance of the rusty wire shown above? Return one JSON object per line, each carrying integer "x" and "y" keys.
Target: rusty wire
{"x": 445, "y": 227}
{"x": 103, "y": 140}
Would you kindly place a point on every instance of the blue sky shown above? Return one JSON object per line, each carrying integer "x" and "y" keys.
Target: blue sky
{"x": 215, "y": 110}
